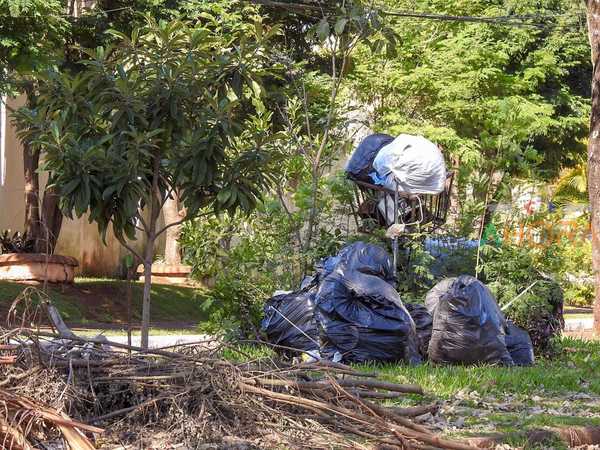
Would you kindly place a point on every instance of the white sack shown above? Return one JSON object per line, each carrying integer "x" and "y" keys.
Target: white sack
{"x": 416, "y": 163}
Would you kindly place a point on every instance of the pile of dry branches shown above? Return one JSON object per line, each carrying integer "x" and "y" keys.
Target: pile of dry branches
{"x": 193, "y": 395}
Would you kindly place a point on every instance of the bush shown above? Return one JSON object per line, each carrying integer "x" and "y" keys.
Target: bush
{"x": 234, "y": 306}
{"x": 509, "y": 270}
{"x": 571, "y": 262}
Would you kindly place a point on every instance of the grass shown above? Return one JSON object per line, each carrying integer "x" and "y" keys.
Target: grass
{"x": 559, "y": 392}
{"x": 105, "y": 301}
{"x": 575, "y": 367}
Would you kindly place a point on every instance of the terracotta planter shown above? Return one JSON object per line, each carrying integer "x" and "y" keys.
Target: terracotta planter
{"x": 167, "y": 273}
{"x": 37, "y": 267}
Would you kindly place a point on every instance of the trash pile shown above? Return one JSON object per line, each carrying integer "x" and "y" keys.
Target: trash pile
{"x": 350, "y": 311}
{"x": 413, "y": 164}
{"x": 90, "y": 392}
{"x": 357, "y": 311}
{"x": 410, "y": 164}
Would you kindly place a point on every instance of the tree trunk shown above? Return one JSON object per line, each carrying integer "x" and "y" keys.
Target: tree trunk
{"x": 33, "y": 226}
{"x": 593, "y": 19}
{"x": 172, "y": 214}
{"x": 454, "y": 210}
{"x": 145, "y": 332}
{"x": 42, "y": 227}
{"x": 51, "y": 222}
{"x": 151, "y": 234}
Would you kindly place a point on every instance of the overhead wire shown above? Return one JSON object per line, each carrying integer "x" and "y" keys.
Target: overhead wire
{"x": 29, "y": 16}
{"x": 501, "y": 20}
{"x": 527, "y": 20}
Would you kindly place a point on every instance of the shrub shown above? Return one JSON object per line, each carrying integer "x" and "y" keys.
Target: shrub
{"x": 15, "y": 243}
{"x": 234, "y": 305}
{"x": 571, "y": 262}
{"x": 539, "y": 310}
{"x": 509, "y": 270}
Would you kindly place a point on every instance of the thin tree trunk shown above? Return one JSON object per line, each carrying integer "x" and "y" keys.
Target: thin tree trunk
{"x": 145, "y": 332}
{"x": 51, "y": 222}
{"x": 172, "y": 214}
{"x": 593, "y": 19}
{"x": 454, "y": 212}
{"x": 155, "y": 207}
{"x": 31, "y": 159}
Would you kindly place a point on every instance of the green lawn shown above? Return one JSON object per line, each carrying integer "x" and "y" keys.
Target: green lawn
{"x": 105, "y": 301}
{"x": 556, "y": 392}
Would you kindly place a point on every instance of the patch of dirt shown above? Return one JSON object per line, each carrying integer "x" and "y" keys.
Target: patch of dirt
{"x": 577, "y": 310}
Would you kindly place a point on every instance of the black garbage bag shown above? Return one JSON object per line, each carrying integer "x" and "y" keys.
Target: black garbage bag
{"x": 468, "y": 326}
{"x": 298, "y": 308}
{"x": 360, "y": 315}
{"x": 423, "y": 324}
{"x": 368, "y": 259}
{"x": 360, "y": 164}
{"x": 323, "y": 267}
{"x": 519, "y": 345}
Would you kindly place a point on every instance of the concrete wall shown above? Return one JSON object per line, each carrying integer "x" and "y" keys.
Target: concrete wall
{"x": 78, "y": 238}
{"x": 12, "y": 184}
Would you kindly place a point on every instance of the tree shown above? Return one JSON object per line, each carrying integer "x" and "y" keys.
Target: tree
{"x": 30, "y": 33}
{"x": 174, "y": 108}
{"x": 593, "y": 20}
{"x": 502, "y": 100}
{"x": 32, "y": 36}
{"x": 319, "y": 43}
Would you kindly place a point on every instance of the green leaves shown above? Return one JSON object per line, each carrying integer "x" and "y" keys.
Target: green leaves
{"x": 156, "y": 113}
{"x": 340, "y": 25}
{"x": 32, "y": 37}
{"x": 322, "y": 30}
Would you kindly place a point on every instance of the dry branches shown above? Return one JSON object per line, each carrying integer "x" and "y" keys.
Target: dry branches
{"x": 195, "y": 395}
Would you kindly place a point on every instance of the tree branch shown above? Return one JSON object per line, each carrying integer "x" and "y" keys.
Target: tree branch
{"x": 129, "y": 247}
{"x": 173, "y": 224}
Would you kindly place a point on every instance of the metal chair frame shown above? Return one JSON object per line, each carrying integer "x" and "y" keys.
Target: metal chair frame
{"x": 427, "y": 212}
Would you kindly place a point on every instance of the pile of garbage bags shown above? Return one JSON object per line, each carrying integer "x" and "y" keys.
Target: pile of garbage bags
{"x": 289, "y": 321}
{"x": 469, "y": 328}
{"x": 413, "y": 164}
{"x": 353, "y": 304}
{"x": 350, "y": 311}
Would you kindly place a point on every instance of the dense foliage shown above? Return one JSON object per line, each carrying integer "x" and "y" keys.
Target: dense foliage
{"x": 298, "y": 86}
{"x": 507, "y": 103}
{"x": 32, "y": 34}
{"x": 175, "y": 107}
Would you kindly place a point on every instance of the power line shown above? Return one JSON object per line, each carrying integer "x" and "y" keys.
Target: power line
{"x": 85, "y": 10}
{"x": 529, "y": 20}
{"x": 494, "y": 20}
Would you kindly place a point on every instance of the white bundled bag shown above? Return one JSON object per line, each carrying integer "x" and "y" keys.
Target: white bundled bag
{"x": 416, "y": 163}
